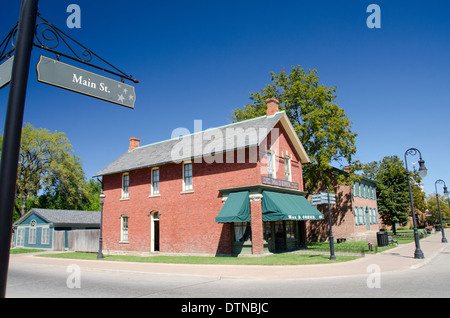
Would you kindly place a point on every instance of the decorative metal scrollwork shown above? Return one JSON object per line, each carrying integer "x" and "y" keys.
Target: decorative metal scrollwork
{"x": 412, "y": 152}
{"x": 7, "y": 46}
{"x": 50, "y": 38}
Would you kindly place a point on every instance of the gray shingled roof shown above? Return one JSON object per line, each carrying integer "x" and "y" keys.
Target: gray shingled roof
{"x": 166, "y": 151}
{"x": 66, "y": 216}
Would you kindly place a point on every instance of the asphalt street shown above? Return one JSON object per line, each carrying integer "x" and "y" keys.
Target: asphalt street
{"x": 394, "y": 273}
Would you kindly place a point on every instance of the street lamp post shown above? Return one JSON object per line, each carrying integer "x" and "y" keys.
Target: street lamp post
{"x": 422, "y": 172}
{"x": 444, "y": 240}
{"x": 100, "y": 240}
{"x": 447, "y": 195}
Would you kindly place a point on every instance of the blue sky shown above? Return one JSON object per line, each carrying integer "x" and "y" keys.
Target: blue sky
{"x": 199, "y": 59}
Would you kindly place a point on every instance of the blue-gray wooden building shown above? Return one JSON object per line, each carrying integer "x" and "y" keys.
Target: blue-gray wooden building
{"x": 48, "y": 228}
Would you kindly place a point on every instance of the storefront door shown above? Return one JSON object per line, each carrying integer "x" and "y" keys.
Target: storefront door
{"x": 280, "y": 236}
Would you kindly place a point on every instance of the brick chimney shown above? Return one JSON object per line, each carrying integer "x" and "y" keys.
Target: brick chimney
{"x": 134, "y": 143}
{"x": 272, "y": 106}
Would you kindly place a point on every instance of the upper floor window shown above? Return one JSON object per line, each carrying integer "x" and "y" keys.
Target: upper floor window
{"x": 287, "y": 169}
{"x": 187, "y": 177}
{"x": 125, "y": 185}
{"x": 270, "y": 164}
{"x": 155, "y": 181}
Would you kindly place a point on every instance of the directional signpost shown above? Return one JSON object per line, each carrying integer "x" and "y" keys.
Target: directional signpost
{"x": 75, "y": 79}
{"x": 5, "y": 72}
{"x": 326, "y": 198}
{"x": 322, "y": 198}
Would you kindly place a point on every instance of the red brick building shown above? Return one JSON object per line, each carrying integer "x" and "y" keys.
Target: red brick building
{"x": 354, "y": 216}
{"x": 229, "y": 190}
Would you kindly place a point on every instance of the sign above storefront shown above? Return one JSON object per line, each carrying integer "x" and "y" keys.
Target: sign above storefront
{"x": 280, "y": 183}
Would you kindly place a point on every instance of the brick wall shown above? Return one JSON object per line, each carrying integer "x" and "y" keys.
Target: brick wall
{"x": 186, "y": 220}
{"x": 343, "y": 216}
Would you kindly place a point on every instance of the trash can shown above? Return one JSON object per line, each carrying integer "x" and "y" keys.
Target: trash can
{"x": 382, "y": 239}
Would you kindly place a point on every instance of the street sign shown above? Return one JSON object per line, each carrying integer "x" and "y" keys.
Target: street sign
{"x": 322, "y": 198}
{"x": 5, "y": 72}
{"x": 72, "y": 78}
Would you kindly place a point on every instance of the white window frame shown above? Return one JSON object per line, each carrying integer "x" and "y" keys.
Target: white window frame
{"x": 152, "y": 181}
{"x": 20, "y": 237}
{"x": 126, "y": 186}
{"x": 188, "y": 187}
{"x": 271, "y": 171}
{"x": 124, "y": 232}
{"x": 287, "y": 164}
{"x": 32, "y": 235}
{"x": 45, "y": 236}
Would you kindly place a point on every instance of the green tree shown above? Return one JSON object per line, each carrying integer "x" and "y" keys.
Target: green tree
{"x": 48, "y": 167}
{"x": 392, "y": 190}
{"x": 321, "y": 125}
{"x": 433, "y": 208}
{"x": 59, "y": 196}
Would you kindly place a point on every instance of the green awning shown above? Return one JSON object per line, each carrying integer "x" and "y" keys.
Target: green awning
{"x": 284, "y": 206}
{"x": 235, "y": 209}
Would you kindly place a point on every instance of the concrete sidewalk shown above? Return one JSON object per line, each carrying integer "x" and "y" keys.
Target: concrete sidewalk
{"x": 399, "y": 258}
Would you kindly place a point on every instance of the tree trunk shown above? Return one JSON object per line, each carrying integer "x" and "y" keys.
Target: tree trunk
{"x": 23, "y": 207}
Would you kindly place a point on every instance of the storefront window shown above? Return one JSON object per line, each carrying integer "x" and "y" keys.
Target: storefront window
{"x": 242, "y": 231}
{"x": 290, "y": 230}
{"x": 267, "y": 231}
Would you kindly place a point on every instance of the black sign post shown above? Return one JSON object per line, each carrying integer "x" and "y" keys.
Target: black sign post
{"x": 13, "y": 131}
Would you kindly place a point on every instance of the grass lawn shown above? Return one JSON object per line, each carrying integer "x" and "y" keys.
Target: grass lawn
{"x": 273, "y": 259}
{"x": 24, "y": 250}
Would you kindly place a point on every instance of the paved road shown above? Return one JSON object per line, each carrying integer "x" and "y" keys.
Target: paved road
{"x": 394, "y": 273}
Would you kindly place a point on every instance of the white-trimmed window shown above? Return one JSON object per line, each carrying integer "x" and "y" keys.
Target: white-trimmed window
{"x": 125, "y": 186}
{"x": 20, "y": 240}
{"x": 270, "y": 164}
{"x": 155, "y": 181}
{"x": 32, "y": 235}
{"x": 124, "y": 228}
{"x": 45, "y": 239}
{"x": 187, "y": 177}
{"x": 287, "y": 169}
